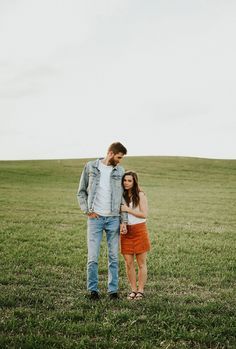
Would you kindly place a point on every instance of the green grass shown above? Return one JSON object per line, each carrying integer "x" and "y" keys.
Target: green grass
{"x": 190, "y": 295}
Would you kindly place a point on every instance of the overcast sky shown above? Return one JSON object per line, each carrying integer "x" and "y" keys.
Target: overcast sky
{"x": 157, "y": 75}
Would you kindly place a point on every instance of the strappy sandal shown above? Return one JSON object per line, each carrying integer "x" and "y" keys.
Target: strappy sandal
{"x": 139, "y": 295}
{"x": 132, "y": 295}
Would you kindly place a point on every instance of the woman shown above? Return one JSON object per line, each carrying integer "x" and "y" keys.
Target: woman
{"x": 135, "y": 242}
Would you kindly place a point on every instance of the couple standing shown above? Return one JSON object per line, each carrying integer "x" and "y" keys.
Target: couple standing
{"x": 114, "y": 203}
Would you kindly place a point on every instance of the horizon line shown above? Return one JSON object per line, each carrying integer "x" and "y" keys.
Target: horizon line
{"x": 126, "y": 156}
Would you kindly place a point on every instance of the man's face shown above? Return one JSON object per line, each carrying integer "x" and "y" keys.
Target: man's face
{"x": 115, "y": 159}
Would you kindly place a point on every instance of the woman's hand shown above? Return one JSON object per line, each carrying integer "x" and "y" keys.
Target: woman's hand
{"x": 124, "y": 208}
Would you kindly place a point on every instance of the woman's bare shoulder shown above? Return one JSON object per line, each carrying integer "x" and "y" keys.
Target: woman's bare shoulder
{"x": 141, "y": 194}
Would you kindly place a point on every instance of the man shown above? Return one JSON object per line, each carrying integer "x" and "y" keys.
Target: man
{"x": 100, "y": 196}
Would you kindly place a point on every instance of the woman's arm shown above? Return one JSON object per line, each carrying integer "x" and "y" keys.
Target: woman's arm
{"x": 143, "y": 207}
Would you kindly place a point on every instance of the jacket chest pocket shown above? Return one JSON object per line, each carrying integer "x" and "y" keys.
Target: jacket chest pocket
{"x": 92, "y": 178}
{"x": 116, "y": 177}
{"x": 92, "y": 174}
{"x": 117, "y": 180}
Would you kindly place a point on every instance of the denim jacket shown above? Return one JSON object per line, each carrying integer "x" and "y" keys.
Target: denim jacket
{"x": 89, "y": 181}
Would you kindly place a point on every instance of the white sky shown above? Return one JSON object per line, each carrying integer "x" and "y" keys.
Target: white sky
{"x": 157, "y": 75}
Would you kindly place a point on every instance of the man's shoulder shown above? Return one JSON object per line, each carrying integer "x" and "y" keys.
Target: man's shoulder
{"x": 92, "y": 163}
{"x": 121, "y": 169}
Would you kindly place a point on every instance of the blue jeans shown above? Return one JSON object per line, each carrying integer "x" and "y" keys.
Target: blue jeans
{"x": 111, "y": 225}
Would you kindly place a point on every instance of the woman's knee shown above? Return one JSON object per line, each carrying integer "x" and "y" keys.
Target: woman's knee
{"x": 129, "y": 264}
{"x": 142, "y": 264}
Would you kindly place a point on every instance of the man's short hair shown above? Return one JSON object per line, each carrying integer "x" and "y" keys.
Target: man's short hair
{"x": 117, "y": 147}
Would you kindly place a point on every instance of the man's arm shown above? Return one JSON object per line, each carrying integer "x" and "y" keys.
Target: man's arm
{"x": 82, "y": 194}
{"x": 123, "y": 215}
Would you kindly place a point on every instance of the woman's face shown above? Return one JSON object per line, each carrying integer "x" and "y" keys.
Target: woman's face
{"x": 128, "y": 182}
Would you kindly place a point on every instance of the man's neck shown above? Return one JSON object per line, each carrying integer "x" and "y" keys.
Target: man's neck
{"x": 105, "y": 161}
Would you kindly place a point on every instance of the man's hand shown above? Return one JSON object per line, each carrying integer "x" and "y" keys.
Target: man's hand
{"x": 93, "y": 215}
{"x": 123, "y": 228}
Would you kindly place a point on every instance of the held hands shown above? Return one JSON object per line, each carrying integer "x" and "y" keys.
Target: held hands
{"x": 123, "y": 228}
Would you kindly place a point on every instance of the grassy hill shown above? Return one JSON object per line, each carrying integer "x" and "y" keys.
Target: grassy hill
{"x": 190, "y": 295}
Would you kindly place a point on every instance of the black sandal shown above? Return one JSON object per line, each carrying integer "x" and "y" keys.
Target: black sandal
{"x": 139, "y": 295}
{"x": 132, "y": 295}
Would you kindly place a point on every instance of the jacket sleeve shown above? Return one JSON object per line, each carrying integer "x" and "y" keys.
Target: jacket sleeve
{"x": 82, "y": 194}
{"x": 123, "y": 215}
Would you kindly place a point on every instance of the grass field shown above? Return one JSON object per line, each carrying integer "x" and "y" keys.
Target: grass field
{"x": 190, "y": 295}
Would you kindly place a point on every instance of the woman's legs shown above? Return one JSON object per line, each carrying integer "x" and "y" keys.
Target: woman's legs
{"x": 130, "y": 270}
{"x": 142, "y": 270}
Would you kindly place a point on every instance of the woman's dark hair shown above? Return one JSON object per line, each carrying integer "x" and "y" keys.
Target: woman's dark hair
{"x": 134, "y": 190}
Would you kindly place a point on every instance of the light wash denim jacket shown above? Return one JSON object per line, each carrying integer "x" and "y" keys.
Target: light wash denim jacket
{"x": 89, "y": 181}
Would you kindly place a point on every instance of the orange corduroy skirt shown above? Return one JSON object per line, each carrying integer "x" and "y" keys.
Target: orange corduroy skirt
{"x": 136, "y": 240}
